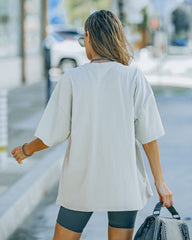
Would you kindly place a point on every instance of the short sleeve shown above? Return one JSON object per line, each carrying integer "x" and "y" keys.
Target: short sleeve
{"x": 55, "y": 123}
{"x": 148, "y": 125}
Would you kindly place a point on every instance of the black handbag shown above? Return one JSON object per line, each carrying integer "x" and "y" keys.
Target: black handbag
{"x": 162, "y": 228}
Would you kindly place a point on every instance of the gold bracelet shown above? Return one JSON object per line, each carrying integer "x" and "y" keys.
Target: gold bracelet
{"x": 22, "y": 149}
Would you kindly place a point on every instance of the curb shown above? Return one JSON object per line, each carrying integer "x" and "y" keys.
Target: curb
{"x": 22, "y": 198}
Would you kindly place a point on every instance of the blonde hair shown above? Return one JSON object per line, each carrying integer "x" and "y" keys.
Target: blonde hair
{"x": 107, "y": 37}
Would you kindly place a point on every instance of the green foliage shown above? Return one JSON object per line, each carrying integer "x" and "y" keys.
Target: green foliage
{"x": 143, "y": 25}
{"x": 81, "y": 9}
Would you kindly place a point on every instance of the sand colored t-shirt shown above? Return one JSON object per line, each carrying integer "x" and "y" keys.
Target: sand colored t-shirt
{"x": 103, "y": 110}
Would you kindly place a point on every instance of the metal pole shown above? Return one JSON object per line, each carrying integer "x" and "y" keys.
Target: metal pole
{"x": 121, "y": 12}
{"x": 23, "y": 77}
{"x": 44, "y": 18}
{"x": 47, "y": 53}
{"x": 3, "y": 129}
{"x": 48, "y": 66}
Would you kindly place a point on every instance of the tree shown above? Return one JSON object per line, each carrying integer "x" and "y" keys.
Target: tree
{"x": 79, "y": 10}
{"x": 181, "y": 20}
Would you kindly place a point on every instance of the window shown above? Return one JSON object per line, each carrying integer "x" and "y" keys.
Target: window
{"x": 9, "y": 28}
{"x": 33, "y": 26}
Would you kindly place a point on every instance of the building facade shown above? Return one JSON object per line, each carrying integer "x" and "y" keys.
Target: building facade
{"x": 22, "y": 30}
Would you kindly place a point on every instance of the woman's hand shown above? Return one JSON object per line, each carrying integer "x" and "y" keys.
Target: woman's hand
{"x": 29, "y": 149}
{"x": 165, "y": 195}
{"x": 18, "y": 154}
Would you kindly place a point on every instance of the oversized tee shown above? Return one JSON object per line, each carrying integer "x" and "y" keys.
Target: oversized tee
{"x": 105, "y": 111}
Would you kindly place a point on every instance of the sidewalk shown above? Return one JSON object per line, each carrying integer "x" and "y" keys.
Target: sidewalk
{"x": 169, "y": 71}
{"x": 23, "y": 186}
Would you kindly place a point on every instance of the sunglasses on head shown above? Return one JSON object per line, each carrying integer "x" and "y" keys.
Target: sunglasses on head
{"x": 81, "y": 41}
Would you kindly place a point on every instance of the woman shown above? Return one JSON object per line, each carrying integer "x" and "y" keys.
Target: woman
{"x": 104, "y": 108}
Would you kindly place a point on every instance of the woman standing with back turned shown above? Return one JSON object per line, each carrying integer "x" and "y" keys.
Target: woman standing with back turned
{"x": 104, "y": 108}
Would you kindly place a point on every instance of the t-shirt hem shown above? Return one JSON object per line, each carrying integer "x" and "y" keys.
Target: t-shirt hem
{"x": 43, "y": 140}
{"x": 150, "y": 139}
{"x": 96, "y": 209}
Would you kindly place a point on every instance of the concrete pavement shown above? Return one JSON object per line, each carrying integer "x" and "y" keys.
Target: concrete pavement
{"x": 167, "y": 71}
{"x": 23, "y": 186}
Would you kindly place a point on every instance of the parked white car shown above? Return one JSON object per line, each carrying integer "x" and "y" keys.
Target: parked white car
{"x": 67, "y": 54}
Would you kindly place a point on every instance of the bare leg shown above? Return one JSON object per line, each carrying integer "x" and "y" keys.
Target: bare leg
{"x": 120, "y": 233}
{"x": 62, "y": 233}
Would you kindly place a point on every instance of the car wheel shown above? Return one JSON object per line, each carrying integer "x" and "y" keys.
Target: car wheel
{"x": 66, "y": 64}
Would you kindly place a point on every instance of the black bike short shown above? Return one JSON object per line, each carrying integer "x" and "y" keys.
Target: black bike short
{"x": 77, "y": 220}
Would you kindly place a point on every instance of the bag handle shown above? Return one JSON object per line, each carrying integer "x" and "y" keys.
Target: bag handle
{"x": 171, "y": 209}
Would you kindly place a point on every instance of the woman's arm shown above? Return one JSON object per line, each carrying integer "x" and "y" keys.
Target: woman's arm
{"x": 152, "y": 152}
{"x": 29, "y": 148}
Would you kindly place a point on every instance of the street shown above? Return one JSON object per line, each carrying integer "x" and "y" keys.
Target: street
{"x": 175, "y": 107}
